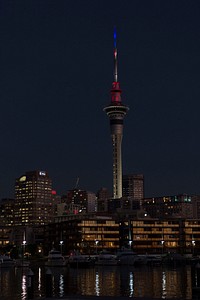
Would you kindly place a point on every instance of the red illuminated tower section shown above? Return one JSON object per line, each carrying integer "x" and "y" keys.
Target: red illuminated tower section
{"x": 116, "y": 112}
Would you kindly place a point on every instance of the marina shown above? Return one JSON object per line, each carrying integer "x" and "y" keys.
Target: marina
{"x": 143, "y": 282}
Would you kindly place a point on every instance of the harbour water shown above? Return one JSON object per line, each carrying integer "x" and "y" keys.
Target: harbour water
{"x": 144, "y": 281}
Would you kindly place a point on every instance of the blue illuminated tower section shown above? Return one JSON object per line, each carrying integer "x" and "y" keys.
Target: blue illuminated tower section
{"x": 116, "y": 112}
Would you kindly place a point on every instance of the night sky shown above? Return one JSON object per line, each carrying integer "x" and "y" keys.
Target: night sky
{"x": 56, "y": 71}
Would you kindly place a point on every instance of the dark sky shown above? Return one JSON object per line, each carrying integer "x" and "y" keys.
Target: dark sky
{"x": 56, "y": 71}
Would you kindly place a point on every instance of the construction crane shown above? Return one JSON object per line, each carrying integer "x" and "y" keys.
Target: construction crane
{"x": 77, "y": 182}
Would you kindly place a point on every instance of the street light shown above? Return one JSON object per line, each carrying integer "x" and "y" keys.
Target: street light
{"x": 23, "y": 248}
{"x": 96, "y": 243}
{"x": 193, "y": 245}
{"x": 61, "y": 244}
{"x": 162, "y": 243}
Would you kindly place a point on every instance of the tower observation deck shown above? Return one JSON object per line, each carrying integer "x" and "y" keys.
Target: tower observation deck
{"x": 116, "y": 112}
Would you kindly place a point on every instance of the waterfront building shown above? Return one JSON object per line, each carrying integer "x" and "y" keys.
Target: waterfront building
{"x": 84, "y": 233}
{"x": 33, "y": 199}
{"x": 90, "y": 232}
{"x": 116, "y": 112}
{"x": 169, "y": 235}
{"x": 178, "y": 206}
{"x": 155, "y": 236}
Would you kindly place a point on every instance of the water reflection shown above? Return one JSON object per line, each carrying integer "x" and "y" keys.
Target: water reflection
{"x": 163, "y": 284}
{"x": 158, "y": 282}
{"x": 131, "y": 285}
{"x": 61, "y": 285}
{"x": 39, "y": 281}
{"x": 97, "y": 289}
{"x": 24, "y": 287}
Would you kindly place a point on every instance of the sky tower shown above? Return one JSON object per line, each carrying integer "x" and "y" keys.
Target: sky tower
{"x": 116, "y": 112}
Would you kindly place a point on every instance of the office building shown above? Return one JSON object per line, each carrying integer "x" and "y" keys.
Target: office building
{"x": 33, "y": 199}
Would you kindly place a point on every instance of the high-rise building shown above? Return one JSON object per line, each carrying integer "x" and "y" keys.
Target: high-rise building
{"x": 33, "y": 199}
{"x": 116, "y": 112}
{"x": 79, "y": 201}
{"x": 7, "y": 212}
{"x": 133, "y": 186}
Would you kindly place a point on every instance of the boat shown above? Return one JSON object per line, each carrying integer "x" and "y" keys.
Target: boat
{"x": 154, "y": 259}
{"x": 55, "y": 259}
{"x": 148, "y": 259}
{"x": 22, "y": 263}
{"x": 107, "y": 259}
{"x": 6, "y": 261}
{"x": 140, "y": 259}
{"x": 80, "y": 261}
{"x": 174, "y": 259}
{"x": 126, "y": 257}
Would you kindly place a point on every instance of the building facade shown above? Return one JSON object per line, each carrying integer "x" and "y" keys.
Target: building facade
{"x": 86, "y": 234}
{"x": 94, "y": 233}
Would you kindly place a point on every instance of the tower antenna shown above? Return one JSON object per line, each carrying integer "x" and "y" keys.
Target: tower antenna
{"x": 115, "y": 55}
{"x": 116, "y": 112}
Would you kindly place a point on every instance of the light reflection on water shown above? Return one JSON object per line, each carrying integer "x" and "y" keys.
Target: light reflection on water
{"x": 131, "y": 284}
{"x": 97, "y": 289}
{"x": 24, "y": 287}
{"x": 157, "y": 282}
{"x": 61, "y": 286}
{"x": 163, "y": 284}
{"x": 39, "y": 281}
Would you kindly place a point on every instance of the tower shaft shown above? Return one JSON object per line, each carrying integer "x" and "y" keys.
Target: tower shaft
{"x": 117, "y": 165}
{"x": 116, "y": 112}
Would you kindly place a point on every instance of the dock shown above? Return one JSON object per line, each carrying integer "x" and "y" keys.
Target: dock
{"x": 101, "y": 298}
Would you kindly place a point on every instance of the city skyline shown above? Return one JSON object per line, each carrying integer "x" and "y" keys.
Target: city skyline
{"x": 56, "y": 70}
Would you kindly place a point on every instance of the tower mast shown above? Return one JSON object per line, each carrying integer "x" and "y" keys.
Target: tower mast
{"x": 116, "y": 112}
